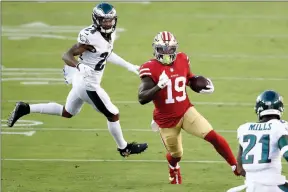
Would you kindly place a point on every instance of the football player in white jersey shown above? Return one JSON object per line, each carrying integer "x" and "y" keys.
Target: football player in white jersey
{"x": 262, "y": 145}
{"x": 94, "y": 48}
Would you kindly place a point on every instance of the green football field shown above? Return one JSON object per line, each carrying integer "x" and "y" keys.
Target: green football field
{"x": 242, "y": 46}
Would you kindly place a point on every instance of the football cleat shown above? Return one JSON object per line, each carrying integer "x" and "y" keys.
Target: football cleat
{"x": 175, "y": 175}
{"x": 133, "y": 148}
{"x": 19, "y": 111}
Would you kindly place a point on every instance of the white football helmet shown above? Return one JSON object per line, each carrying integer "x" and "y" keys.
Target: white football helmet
{"x": 104, "y": 18}
{"x": 165, "y": 47}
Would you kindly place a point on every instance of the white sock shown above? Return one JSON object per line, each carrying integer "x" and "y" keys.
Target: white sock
{"x": 116, "y": 132}
{"x": 47, "y": 108}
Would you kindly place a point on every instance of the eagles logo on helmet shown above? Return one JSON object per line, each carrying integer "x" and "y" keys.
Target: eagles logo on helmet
{"x": 269, "y": 103}
{"x": 104, "y": 18}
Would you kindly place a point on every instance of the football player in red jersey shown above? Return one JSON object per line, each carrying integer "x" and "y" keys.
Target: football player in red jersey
{"x": 163, "y": 81}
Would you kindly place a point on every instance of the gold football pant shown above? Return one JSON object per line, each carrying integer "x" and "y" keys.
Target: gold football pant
{"x": 193, "y": 123}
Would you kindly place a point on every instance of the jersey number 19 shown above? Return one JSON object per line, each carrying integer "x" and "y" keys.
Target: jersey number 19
{"x": 179, "y": 86}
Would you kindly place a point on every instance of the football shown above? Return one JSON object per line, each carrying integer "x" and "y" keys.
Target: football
{"x": 197, "y": 83}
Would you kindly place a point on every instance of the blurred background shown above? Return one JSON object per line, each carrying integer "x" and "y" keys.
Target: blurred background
{"x": 241, "y": 46}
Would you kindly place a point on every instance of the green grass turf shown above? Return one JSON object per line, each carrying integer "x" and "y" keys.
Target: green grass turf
{"x": 224, "y": 41}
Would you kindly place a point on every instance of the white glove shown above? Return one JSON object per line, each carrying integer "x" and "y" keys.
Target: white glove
{"x": 69, "y": 73}
{"x": 134, "y": 69}
{"x": 86, "y": 70}
{"x": 163, "y": 80}
{"x": 209, "y": 88}
{"x": 154, "y": 126}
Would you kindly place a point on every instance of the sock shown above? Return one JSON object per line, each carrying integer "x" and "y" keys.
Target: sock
{"x": 172, "y": 160}
{"x": 116, "y": 132}
{"x": 47, "y": 108}
{"x": 221, "y": 146}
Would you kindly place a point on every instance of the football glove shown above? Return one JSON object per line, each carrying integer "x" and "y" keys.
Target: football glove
{"x": 163, "y": 80}
{"x": 209, "y": 88}
{"x": 68, "y": 73}
{"x": 134, "y": 69}
{"x": 86, "y": 70}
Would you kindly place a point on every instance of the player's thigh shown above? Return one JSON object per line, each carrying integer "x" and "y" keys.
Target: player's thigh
{"x": 73, "y": 102}
{"x": 263, "y": 188}
{"x": 195, "y": 124}
{"x": 172, "y": 140}
{"x": 101, "y": 102}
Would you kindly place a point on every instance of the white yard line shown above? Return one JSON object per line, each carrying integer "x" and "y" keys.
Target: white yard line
{"x": 32, "y": 79}
{"x": 108, "y": 160}
{"x": 31, "y": 69}
{"x": 111, "y": 160}
{"x": 37, "y": 78}
{"x": 136, "y": 102}
{"x": 207, "y": 55}
{"x": 4, "y": 73}
{"x": 214, "y": 16}
{"x": 41, "y": 83}
{"x": 28, "y": 133}
{"x": 148, "y": 129}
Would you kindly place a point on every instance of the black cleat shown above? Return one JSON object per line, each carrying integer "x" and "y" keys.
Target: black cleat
{"x": 20, "y": 110}
{"x": 133, "y": 148}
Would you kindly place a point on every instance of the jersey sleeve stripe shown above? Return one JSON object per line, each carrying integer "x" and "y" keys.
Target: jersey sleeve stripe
{"x": 144, "y": 69}
{"x": 284, "y": 150}
{"x": 188, "y": 60}
{"x": 143, "y": 74}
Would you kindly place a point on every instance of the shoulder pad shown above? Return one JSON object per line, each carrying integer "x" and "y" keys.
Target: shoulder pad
{"x": 83, "y": 38}
{"x": 184, "y": 56}
{"x": 86, "y": 35}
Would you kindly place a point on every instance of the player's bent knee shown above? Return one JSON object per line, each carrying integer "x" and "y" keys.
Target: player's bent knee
{"x": 113, "y": 118}
{"x": 177, "y": 154}
{"x": 66, "y": 114}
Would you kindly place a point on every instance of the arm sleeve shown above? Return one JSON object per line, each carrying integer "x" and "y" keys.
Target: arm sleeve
{"x": 117, "y": 60}
{"x": 189, "y": 74}
{"x": 146, "y": 70}
{"x": 239, "y": 136}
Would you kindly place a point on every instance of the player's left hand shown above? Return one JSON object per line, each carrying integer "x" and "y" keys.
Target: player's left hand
{"x": 68, "y": 73}
{"x": 209, "y": 88}
{"x": 134, "y": 69}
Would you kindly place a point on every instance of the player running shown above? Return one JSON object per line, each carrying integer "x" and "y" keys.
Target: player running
{"x": 262, "y": 144}
{"x": 94, "y": 47}
{"x": 163, "y": 81}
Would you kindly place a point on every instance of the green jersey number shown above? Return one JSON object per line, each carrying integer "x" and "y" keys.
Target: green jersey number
{"x": 252, "y": 141}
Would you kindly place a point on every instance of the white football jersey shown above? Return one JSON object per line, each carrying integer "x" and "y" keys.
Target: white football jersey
{"x": 96, "y": 58}
{"x": 261, "y": 157}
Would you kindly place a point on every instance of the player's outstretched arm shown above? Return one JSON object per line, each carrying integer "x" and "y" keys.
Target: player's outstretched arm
{"x": 283, "y": 146}
{"x": 239, "y": 162}
{"x": 147, "y": 90}
{"x": 117, "y": 60}
{"x": 77, "y": 49}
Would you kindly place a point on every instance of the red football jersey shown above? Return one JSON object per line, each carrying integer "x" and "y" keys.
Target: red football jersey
{"x": 171, "y": 102}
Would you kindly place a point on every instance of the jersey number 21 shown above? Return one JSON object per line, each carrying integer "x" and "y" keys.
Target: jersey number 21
{"x": 252, "y": 142}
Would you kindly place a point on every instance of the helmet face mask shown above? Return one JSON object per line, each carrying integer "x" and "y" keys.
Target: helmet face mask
{"x": 104, "y": 18}
{"x": 165, "y": 47}
{"x": 269, "y": 103}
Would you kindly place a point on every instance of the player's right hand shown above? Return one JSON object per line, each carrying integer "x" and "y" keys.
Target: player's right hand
{"x": 85, "y": 69}
{"x": 163, "y": 80}
{"x": 238, "y": 171}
